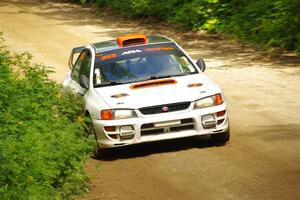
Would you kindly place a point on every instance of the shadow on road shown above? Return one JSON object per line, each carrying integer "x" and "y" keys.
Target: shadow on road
{"x": 145, "y": 149}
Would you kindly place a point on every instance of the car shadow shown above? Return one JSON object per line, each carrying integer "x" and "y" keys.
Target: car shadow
{"x": 145, "y": 149}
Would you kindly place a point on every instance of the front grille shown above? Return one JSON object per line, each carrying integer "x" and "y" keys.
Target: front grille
{"x": 159, "y": 109}
{"x": 182, "y": 128}
{"x": 150, "y": 129}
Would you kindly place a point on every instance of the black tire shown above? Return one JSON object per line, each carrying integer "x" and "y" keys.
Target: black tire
{"x": 221, "y": 138}
{"x": 89, "y": 128}
{"x": 90, "y": 132}
{"x": 99, "y": 152}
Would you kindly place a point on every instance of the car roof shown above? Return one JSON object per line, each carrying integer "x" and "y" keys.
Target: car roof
{"x": 113, "y": 45}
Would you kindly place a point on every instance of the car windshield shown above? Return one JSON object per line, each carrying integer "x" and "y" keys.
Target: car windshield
{"x": 138, "y": 64}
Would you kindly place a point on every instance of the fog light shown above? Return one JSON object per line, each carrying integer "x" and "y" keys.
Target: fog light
{"x": 208, "y": 121}
{"x": 126, "y": 130}
{"x": 110, "y": 128}
{"x": 113, "y": 136}
{"x": 220, "y": 121}
{"x": 221, "y": 113}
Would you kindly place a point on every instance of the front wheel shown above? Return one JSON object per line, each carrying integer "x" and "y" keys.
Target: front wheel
{"x": 90, "y": 133}
{"x": 221, "y": 137}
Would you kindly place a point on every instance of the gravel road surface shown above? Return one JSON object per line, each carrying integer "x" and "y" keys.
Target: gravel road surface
{"x": 262, "y": 160}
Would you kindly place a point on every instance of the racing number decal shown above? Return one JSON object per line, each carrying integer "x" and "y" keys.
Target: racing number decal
{"x": 107, "y": 57}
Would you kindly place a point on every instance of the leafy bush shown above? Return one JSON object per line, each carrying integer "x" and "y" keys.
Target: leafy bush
{"x": 42, "y": 150}
{"x": 265, "y": 22}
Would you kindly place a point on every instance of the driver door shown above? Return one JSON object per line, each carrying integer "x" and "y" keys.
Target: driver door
{"x": 80, "y": 73}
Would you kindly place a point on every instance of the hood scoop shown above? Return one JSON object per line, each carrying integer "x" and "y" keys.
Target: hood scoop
{"x": 153, "y": 83}
{"x": 195, "y": 85}
{"x": 119, "y": 95}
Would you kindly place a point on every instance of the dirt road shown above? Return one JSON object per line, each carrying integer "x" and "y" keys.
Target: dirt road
{"x": 262, "y": 161}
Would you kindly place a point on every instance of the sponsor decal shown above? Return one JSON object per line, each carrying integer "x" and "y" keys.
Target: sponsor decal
{"x": 131, "y": 52}
{"x": 160, "y": 49}
{"x": 106, "y": 57}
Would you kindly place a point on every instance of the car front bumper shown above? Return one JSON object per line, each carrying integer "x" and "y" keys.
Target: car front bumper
{"x": 163, "y": 126}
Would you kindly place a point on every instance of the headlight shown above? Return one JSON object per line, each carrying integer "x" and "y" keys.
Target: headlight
{"x": 123, "y": 114}
{"x": 209, "y": 101}
{"x": 117, "y": 114}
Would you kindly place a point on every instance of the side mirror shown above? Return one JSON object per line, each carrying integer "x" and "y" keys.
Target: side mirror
{"x": 201, "y": 64}
{"x": 84, "y": 81}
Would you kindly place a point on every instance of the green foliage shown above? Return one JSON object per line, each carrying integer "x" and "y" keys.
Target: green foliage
{"x": 42, "y": 150}
{"x": 265, "y": 22}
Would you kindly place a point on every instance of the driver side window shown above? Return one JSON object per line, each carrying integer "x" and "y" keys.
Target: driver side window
{"x": 82, "y": 66}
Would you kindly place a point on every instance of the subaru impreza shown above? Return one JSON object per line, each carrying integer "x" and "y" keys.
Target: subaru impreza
{"x": 140, "y": 88}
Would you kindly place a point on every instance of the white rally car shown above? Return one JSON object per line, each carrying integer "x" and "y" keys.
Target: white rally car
{"x": 141, "y": 89}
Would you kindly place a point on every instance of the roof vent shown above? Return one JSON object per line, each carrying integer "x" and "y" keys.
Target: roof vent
{"x": 131, "y": 40}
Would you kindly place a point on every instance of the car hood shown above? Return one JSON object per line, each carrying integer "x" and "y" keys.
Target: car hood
{"x": 126, "y": 96}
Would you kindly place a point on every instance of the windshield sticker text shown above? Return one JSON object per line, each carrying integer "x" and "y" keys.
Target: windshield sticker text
{"x": 131, "y": 52}
{"x": 160, "y": 49}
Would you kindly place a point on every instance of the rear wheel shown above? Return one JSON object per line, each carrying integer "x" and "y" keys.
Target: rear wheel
{"x": 221, "y": 138}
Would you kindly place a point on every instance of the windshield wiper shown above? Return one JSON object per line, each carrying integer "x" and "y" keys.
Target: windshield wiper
{"x": 168, "y": 76}
{"x": 158, "y": 77}
{"x": 164, "y": 76}
{"x": 149, "y": 78}
{"x": 108, "y": 84}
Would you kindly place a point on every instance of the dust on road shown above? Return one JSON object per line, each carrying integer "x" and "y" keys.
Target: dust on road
{"x": 262, "y": 161}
